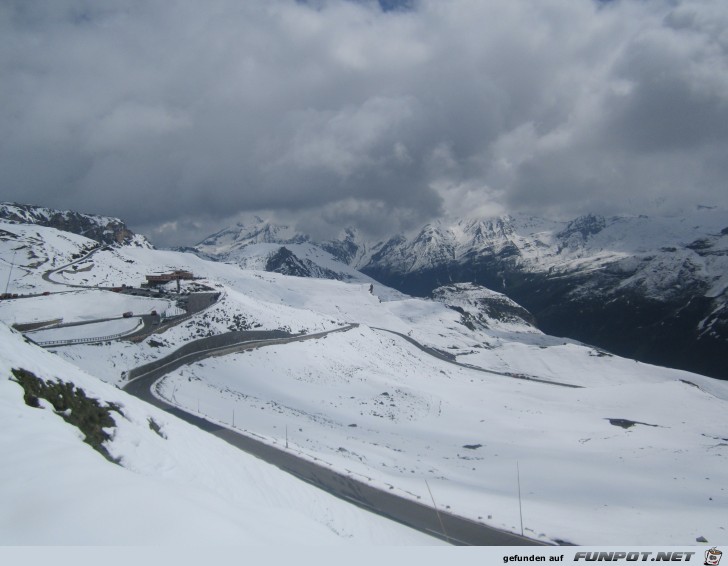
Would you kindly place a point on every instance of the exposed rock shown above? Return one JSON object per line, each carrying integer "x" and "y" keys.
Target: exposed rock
{"x": 284, "y": 261}
{"x": 103, "y": 229}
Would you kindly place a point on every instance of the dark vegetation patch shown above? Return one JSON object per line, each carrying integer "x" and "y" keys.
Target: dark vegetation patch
{"x": 626, "y": 423}
{"x": 73, "y": 405}
{"x": 599, "y": 353}
{"x": 700, "y": 244}
{"x": 154, "y": 425}
{"x": 715, "y": 437}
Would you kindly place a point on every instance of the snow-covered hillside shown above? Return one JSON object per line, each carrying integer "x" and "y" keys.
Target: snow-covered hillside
{"x": 483, "y": 307}
{"x": 173, "y": 484}
{"x": 26, "y": 251}
{"x": 611, "y": 451}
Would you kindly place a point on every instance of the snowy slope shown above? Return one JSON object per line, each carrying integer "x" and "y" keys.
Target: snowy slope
{"x": 378, "y": 408}
{"x": 481, "y": 306}
{"x": 178, "y": 486}
{"x": 26, "y": 251}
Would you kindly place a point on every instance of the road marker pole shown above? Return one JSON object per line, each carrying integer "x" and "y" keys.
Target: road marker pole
{"x": 12, "y": 264}
{"x": 520, "y": 508}
{"x": 437, "y": 511}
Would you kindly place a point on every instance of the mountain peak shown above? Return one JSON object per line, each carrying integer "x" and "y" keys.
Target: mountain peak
{"x": 244, "y": 233}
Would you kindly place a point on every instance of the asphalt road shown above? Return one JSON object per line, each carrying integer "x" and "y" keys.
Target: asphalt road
{"x": 451, "y": 528}
{"x": 449, "y": 358}
{"x": 47, "y": 275}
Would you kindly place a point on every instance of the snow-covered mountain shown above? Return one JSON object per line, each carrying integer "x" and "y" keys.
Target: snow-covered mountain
{"x": 258, "y": 231}
{"x": 103, "y": 229}
{"x": 260, "y": 244}
{"x": 652, "y": 288}
{"x": 455, "y": 392}
{"x": 482, "y": 307}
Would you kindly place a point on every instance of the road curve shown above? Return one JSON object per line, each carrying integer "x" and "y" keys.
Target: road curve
{"x": 196, "y": 302}
{"x": 47, "y": 275}
{"x": 451, "y": 528}
{"x": 450, "y": 358}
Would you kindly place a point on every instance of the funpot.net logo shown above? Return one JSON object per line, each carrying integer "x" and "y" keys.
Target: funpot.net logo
{"x": 713, "y": 556}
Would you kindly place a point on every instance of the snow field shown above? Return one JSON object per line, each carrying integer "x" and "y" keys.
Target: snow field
{"x": 79, "y": 306}
{"x": 85, "y": 331}
{"x": 586, "y": 480}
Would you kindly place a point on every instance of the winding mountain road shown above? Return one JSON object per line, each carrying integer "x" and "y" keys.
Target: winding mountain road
{"x": 47, "y": 275}
{"x": 451, "y": 528}
{"x": 151, "y": 323}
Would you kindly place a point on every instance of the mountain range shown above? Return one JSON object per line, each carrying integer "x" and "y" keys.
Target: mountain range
{"x": 647, "y": 287}
{"x": 651, "y": 288}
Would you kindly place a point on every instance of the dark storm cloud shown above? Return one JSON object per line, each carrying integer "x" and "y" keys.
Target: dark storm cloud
{"x": 179, "y": 115}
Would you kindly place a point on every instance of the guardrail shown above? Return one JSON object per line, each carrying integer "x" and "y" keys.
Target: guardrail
{"x": 51, "y": 343}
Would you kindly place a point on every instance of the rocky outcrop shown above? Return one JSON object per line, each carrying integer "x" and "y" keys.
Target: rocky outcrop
{"x": 103, "y": 229}
{"x": 285, "y": 262}
{"x": 480, "y": 307}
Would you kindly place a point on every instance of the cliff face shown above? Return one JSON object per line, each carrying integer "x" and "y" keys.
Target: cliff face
{"x": 103, "y": 229}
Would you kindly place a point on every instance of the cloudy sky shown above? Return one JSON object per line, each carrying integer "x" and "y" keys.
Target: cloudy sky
{"x": 180, "y": 115}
